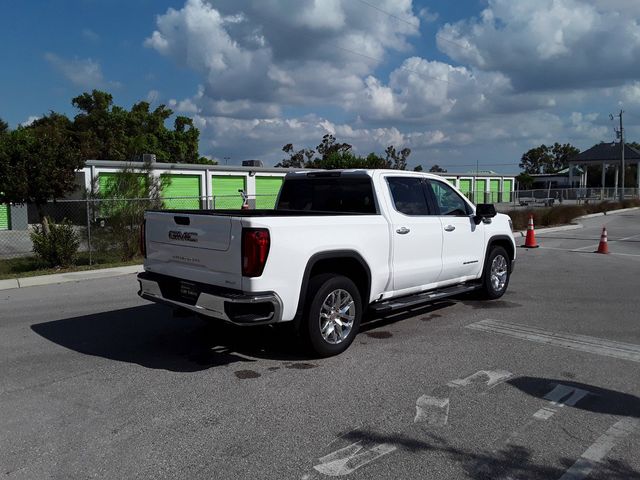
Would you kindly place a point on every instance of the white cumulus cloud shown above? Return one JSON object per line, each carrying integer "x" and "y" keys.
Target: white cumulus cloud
{"x": 85, "y": 73}
{"x": 548, "y": 44}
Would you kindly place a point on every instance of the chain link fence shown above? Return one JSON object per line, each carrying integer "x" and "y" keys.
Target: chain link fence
{"x": 108, "y": 229}
{"x": 571, "y": 196}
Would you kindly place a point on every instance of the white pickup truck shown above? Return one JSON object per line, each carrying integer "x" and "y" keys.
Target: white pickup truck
{"x": 338, "y": 243}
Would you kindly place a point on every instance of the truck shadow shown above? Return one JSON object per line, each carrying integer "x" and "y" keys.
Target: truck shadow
{"x": 149, "y": 335}
{"x": 598, "y": 400}
{"x": 510, "y": 461}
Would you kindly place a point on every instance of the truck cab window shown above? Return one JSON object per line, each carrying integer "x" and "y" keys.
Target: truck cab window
{"x": 448, "y": 200}
{"x": 408, "y": 195}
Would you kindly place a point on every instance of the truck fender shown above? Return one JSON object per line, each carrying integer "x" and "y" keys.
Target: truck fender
{"x": 505, "y": 241}
{"x": 331, "y": 255}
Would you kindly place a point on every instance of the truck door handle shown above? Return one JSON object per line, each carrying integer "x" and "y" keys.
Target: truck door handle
{"x": 449, "y": 228}
{"x": 403, "y": 230}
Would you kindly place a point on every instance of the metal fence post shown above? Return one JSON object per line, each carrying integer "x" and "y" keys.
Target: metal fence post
{"x": 89, "y": 234}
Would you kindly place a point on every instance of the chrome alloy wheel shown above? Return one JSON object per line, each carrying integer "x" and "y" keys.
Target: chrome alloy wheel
{"x": 499, "y": 272}
{"x": 337, "y": 314}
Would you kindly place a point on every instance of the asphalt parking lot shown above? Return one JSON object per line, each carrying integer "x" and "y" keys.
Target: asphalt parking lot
{"x": 543, "y": 383}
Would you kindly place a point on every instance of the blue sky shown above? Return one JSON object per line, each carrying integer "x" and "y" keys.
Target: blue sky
{"x": 457, "y": 82}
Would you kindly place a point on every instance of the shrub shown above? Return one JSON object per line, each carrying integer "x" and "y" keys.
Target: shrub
{"x": 55, "y": 244}
{"x": 120, "y": 205}
{"x": 564, "y": 214}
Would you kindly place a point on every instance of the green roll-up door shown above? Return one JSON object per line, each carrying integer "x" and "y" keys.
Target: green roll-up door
{"x": 267, "y": 190}
{"x": 225, "y": 191}
{"x": 181, "y": 186}
{"x": 465, "y": 187}
{"x": 105, "y": 180}
{"x": 4, "y": 217}
{"x": 481, "y": 188}
{"x": 506, "y": 190}
{"x": 494, "y": 187}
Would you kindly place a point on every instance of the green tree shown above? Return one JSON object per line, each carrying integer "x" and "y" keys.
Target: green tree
{"x": 417, "y": 168}
{"x": 336, "y": 155}
{"x": 375, "y": 161}
{"x": 437, "y": 169}
{"x": 107, "y": 131}
{"x": 38, "y": 162}
{"x": 296, "y": 158}
{"x": 329, "y": 147}
{"x": 525, "y": 181}
{"x": 120, "y": 204}
{"x": 4, "y": 127}
{"x": 397, "y": 160}
{"x": 548, "y": 159}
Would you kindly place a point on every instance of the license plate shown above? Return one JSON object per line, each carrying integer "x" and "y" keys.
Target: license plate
{"x": 189, "y": 290}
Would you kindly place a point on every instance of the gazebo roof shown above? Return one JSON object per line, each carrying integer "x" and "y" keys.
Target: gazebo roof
{"x": 607, "y": 153}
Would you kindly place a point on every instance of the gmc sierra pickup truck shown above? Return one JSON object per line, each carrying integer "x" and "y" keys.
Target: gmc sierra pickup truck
{"x": 337, "y": 244}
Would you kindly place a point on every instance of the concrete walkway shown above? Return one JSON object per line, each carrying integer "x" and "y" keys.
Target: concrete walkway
{"x": 68, "y": 277}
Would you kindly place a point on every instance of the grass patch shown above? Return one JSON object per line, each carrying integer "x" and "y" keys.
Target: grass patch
{"x": 564, "y": 214}
{"x": 32, "y": 266}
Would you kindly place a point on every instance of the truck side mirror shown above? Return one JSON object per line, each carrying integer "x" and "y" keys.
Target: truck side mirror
{"x": 484, "y": 213}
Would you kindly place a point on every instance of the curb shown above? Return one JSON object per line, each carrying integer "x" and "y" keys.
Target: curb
{"x": 68, "y": 277}
{"x": 611, "y": 212}
{"x": 560, "y": 228}
{"x": 576, "y": 226}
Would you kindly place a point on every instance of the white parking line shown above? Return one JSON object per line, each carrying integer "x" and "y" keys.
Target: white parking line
{"x": 350, "y": 458}
{"x": 490, "y": 377}
{"x": 600, "y": 449}
{"x": 560, "y": 396}
{"x": 582, "y": 343}
{"x": 433, "y": 411}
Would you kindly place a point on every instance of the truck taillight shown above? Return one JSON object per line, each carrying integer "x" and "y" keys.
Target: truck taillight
{"x": 143, "y": 240}
{"x": 255, "y": 249}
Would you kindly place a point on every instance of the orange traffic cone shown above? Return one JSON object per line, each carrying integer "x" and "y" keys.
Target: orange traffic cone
{"x": 530, "y": 241}
{"x": 604, "y": 243}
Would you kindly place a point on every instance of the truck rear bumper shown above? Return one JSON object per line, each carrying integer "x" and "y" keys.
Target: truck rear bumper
{"x": 230, "y": 305}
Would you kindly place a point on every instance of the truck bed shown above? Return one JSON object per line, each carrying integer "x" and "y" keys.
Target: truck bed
{"x": 259, "y": 213}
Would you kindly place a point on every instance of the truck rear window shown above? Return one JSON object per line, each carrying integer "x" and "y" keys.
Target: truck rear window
{"x": 337, "y": 194}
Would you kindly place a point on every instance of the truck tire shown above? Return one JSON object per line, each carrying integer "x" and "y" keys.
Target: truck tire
{"x": 497, "y": 271}
{"x": 333, "y": 314}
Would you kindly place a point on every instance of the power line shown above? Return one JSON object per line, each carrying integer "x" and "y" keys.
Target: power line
{"x": 375, "y": 7}
{"x": 483, "y": 164}
{"x": 401, "y": 67}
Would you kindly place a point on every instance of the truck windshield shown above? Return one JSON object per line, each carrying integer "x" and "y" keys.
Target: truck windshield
{"x": 337, "y": 194}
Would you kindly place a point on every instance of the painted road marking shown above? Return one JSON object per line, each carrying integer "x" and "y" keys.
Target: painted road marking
{"x": 350, "y": 458}
{"x": 575, "y": 250}
{"x": 490, "y": 377}
{"x": 582, "y": 343}
{"x": 560, "y": 396}
{"x": 600, "y": 449}
{"x": 432, "y": 410}
{"x": 544, "y": 413}
{"x": 570, "y": 395}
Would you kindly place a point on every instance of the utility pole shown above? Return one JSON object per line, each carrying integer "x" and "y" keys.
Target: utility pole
{"x": 620, "y": 135}
{"x": 622, "y": 154}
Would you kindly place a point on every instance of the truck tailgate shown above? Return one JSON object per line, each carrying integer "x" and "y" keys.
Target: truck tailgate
{"x": 202, "y": 248}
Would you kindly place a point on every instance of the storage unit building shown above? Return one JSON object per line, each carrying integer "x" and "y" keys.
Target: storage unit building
{"x": 225, "y": 190}
{"x": 181, "y": 191}
{"x": 267, "y": 190}
{"x": 5, "y": 217}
